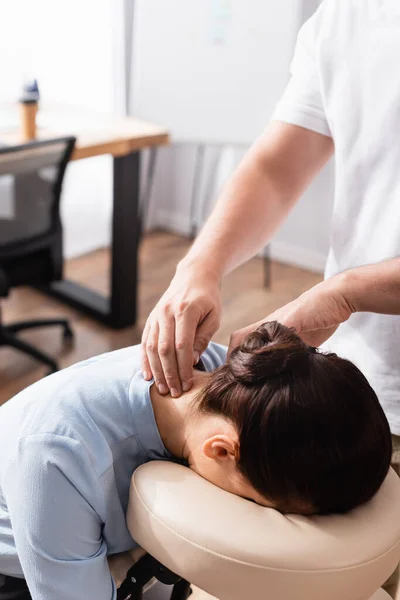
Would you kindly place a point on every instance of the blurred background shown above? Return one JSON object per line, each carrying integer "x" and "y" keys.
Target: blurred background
{"x": 207, "y": 74}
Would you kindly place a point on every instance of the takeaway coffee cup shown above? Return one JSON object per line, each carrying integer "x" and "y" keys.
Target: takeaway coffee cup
{"x": 28, "y": 112}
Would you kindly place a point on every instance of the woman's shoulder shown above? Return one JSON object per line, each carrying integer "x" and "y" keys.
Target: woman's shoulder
{"x": 80, "y": 398}
{"x": 128, "y": 357}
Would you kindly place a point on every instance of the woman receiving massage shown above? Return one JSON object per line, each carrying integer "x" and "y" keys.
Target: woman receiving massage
{"x": 279, "y": 423}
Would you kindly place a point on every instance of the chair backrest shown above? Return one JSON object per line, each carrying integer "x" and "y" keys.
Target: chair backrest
{"x": 31, "y": 177}
{"x": 234, "y": 549}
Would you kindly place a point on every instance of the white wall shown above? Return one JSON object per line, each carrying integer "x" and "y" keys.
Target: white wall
{"x": 69, "y": 48}
{"x": 211, "y": 70}
{"x": 304, "y": 238}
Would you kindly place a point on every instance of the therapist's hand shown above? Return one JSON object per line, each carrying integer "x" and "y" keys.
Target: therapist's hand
{"x": 179, "y": 329}
{"x": 315, "y": 315}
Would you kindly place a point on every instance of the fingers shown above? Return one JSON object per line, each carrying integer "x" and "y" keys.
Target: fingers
{"x": 238, "y": 336}
{"x": 144, "y": 361}
{"x": 167, "y": 351}
{"x": 235, "y": 339}
{"x": 154, "y": 359}
{"x": 167, "y": 354}
{"x": 204, "y": 334}
{"x": 176, "y": 333}
{"x": 187, "y": 321}
{"x": 313, "y": 338}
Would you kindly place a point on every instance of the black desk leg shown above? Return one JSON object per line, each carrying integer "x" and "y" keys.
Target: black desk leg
{"x": 120, "y": 309}
{"x": 126, "y": 231}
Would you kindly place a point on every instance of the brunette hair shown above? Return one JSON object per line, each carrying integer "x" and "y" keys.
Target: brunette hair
{"x": 312, "y": 435}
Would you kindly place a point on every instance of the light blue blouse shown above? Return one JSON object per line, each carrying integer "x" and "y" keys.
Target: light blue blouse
{"x": 68, "y": 447}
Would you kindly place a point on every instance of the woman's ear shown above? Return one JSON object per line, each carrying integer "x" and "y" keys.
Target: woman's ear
{"x": 221, "y": 447}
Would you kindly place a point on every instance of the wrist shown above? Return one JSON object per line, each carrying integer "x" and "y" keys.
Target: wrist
{"x": 200, "y": 268}
{"x": 345, "y": 288}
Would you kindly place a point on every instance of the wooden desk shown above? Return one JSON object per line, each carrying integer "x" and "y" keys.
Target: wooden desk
{"x": 123, "y": 138}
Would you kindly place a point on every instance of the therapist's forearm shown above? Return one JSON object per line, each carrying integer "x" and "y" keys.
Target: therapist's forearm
{"x": 247, "y": 214}
{"x": 258, "y": 198}
{"x": 260, "y": 194}
{"x": 372, "y": 288}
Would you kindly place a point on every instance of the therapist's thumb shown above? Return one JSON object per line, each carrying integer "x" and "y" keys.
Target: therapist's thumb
{"x": 204, "y": 333}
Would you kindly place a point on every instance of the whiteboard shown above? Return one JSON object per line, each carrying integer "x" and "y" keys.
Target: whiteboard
{"x": 212, "y": 70}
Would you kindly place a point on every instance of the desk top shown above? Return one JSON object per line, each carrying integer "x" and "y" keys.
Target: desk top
{"x": 96, "y": 133}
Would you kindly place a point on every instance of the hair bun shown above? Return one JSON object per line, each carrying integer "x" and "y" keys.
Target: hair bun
{"x": 267, "y": 352}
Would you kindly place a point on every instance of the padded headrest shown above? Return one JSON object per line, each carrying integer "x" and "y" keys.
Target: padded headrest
{"x": 234, "y": 549}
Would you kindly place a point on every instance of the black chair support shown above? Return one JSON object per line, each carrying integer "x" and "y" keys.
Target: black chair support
{"x": 143, "y": 571}
{"x": 8, "y": 338}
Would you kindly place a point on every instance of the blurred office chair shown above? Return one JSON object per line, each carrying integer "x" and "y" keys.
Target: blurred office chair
{"x": 31, "y": 179}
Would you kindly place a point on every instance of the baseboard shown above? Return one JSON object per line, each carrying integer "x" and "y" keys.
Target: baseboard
{"x": 281, "y": 251}
{"x": 75, "y": 248}
{"x": 174, "y": 222}
{"x": 298, "y": 256}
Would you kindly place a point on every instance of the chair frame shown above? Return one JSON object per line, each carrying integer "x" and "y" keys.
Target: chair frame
{"x": 146, "y": 569}
{"x": 8, "y": 332}
{"x": 37, "y": 243}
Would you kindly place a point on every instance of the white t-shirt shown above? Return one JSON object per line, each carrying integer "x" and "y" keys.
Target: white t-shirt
{"x": 346, "y": 84}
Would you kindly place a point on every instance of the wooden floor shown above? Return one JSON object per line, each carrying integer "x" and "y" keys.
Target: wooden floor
{"x": 245, "y": 300}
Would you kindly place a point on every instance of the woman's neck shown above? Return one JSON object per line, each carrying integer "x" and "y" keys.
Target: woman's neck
{"x": 176, "y": 417}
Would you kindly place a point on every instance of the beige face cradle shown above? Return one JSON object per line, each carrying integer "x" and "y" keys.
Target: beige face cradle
{"x": 237, "y": 550}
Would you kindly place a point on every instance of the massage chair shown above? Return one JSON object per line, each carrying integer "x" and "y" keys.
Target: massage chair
{"x": 195, "y": 534}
